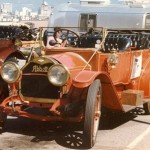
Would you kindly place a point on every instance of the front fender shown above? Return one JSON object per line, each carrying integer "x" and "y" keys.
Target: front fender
{"x": 110, "y": 97}
{"x": 85, "y": 78}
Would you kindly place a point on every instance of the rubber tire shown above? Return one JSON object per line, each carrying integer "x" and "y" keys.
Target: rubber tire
{"x": 90, "y": 108}
{"x": 3, "y": 118}
{"x": 146, "y": 107}
{"x": 4, "y": 92}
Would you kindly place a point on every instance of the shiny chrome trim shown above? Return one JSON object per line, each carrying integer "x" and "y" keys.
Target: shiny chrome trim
{"x": 18, "y": 73}
{"x": 41, "y": 60}
{"x": 37, "y": 100}
{"x": 68, "y": 74}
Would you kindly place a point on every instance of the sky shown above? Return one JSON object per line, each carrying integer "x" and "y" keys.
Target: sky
{"x": 35, "y": 4}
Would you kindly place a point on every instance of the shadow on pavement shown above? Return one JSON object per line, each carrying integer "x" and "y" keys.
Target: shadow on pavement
{"x": 68, "y": 135}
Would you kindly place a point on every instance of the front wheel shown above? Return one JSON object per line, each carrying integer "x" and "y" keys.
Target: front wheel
{"x": 92, "y": 114}
{"x": 3, "y": 118}
{"x": 4, "y": 92}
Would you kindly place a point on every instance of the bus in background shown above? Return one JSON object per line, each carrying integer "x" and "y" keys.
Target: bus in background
{"x": 101, "y": 13}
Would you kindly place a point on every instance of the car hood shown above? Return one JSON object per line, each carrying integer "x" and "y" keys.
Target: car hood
{"x": 71, "y": 60}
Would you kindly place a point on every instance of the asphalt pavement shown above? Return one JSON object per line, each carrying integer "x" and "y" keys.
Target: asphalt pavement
{"x": 129, "y": 131}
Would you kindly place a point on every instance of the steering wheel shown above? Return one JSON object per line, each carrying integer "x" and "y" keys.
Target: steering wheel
{"x": 73, "y": 39}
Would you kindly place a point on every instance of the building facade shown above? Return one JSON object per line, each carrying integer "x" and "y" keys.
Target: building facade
{"x": 25, "y": 14}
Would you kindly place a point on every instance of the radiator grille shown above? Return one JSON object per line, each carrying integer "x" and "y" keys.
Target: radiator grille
{"x": 34, "y": 82}
{"x": 38, "y": 86}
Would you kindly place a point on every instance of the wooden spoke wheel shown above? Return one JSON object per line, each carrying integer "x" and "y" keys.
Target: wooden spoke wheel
{"x": 92, "y": 114}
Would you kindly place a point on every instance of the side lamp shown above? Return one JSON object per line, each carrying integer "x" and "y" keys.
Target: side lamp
{"x": 113, "y": 58}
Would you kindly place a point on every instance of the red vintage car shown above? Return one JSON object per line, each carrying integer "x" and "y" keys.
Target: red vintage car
{"x": 72, "y": 84}
{"x": 10, "y": 39}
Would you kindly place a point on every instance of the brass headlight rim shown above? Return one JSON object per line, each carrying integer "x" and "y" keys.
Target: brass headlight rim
{"x": 68, "y": 74}
{"x": 18, "y": 74}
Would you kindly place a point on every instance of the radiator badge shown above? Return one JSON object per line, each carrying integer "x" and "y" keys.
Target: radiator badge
{"x": 39, "y": 69}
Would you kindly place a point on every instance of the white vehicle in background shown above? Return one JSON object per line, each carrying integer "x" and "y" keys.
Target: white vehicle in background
{"x": 100, "y": 13}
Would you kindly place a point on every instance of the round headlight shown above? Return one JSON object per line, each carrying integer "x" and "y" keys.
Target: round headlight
{"x": 10, "y": 72}
{"x": 58, "y": 75}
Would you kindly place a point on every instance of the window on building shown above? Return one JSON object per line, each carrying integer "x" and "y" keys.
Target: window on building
{"x": 87, "y": 21}
{"x": 147, "y": 21}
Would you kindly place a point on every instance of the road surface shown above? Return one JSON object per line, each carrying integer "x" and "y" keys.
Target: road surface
{"x": 129, "y": 131}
